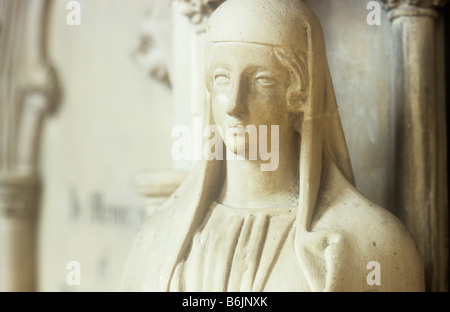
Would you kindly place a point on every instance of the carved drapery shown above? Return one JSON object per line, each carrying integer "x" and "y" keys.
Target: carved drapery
{"x": 420, "y": 135}
{"x": 28, "y": 93}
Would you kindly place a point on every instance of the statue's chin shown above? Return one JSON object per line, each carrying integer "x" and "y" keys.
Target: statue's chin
{"x": 237, "y": 146}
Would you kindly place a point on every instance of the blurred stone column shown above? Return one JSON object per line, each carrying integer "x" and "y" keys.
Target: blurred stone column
{"x": 190, "y": 18}
{"x": 420, "y": 131}
{"x": 28, "y": 91}
{"x": 184, "y": 74}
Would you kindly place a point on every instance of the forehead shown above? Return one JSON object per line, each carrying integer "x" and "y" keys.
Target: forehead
{"x": 238, "y": 55}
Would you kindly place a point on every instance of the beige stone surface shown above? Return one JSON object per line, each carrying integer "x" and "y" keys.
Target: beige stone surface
{"x": 113, "y": 122}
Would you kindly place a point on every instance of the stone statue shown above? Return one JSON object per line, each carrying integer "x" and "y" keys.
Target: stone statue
{"x": 300, "y": 227}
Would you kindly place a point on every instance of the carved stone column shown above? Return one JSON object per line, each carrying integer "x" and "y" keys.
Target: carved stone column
{"x": 420, "y": 137}
{"x": 28, "y": 92}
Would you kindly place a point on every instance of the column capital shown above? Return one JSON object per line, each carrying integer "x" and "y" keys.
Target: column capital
{"x": 18, "y": 196}
{"x": 399, "y": 8}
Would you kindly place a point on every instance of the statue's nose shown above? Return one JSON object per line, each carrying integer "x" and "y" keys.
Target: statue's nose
{"x": 238, "y": 100}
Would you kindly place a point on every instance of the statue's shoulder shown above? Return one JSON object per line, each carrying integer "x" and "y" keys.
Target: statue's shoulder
{"x": 146, "y": 269}
{"x": 376, "y": 239}
{"x": 151, "y": 226}
{"x": 140, "y": 268}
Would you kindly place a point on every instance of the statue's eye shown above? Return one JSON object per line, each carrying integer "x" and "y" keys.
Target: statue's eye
{"x": 265, "y": 80}
{"x": 221, "y": 79}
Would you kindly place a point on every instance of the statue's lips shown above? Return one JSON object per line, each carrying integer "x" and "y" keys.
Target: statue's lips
{"x": 236, "y": 129}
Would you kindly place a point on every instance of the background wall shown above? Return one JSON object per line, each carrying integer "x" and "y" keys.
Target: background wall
{"x": 113, "y": 122}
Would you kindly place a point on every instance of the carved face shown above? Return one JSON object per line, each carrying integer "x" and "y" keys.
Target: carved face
{"x": 248, "y": 86}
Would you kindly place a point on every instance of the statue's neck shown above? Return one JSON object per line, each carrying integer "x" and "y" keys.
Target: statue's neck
{"x": 246, "y": 185}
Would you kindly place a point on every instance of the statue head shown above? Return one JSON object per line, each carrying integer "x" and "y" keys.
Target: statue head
{"x": 256, "y": 67}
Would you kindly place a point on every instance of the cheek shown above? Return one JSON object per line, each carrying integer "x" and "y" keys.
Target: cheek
{"x": 269, "y": 108}
{"x": 220, "y": 99}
